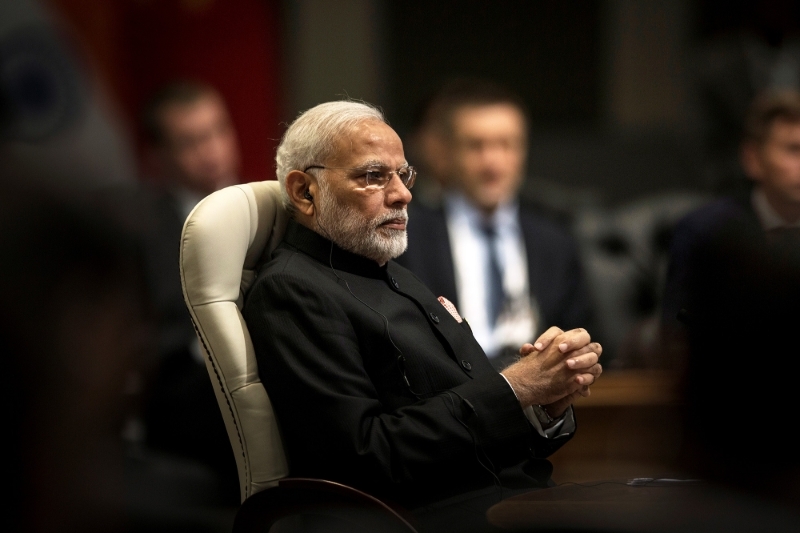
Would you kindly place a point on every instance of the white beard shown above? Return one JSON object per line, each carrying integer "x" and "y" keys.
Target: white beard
{"x": 352, "y": 231}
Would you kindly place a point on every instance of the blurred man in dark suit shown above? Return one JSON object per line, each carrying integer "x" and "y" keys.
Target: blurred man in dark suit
{"x": 192, "y": 150}
{"x": 509, "y": 269}
{"x": 768, "y": 213}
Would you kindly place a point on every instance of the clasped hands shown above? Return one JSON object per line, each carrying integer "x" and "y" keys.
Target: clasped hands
{"x": 555, "y": 370}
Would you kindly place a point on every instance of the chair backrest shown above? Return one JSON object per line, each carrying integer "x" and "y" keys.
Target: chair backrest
{"x": 224, "y": 240}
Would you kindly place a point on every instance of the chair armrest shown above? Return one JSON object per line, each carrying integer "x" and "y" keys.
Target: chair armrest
{"x": 325, "y": 506}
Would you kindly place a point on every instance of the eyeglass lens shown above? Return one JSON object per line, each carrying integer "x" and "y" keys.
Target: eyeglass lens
{"x": 406, "y": 175}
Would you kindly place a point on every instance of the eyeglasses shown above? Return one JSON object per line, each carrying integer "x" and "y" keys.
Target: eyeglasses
{"x": 377, "y": 177}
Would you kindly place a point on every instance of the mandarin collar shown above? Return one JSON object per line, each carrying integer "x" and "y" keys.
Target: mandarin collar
{"x": 326, "y": 252}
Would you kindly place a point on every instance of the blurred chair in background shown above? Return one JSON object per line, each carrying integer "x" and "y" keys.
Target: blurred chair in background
{"x": 510, "y": 270}
{"x": 631, "y": 425}
{"x": 625, "y": 254}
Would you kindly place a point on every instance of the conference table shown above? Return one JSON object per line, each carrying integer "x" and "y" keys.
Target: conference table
{"x": 629, "y": 427}
{"x": 641, "y": 505}
{"x": 622, "y": 472}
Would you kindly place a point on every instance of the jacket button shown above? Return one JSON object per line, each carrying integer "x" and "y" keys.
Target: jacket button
{"x": 434, "y": 318}
{"x": 395, "y": 284}
{"x": 465, "y": 364}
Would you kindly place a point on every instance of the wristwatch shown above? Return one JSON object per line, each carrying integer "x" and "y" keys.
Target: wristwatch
{"x": 544, "y": 417}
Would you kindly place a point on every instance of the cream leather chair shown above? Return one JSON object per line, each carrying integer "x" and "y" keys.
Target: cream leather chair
{"x": 225, "y": 239}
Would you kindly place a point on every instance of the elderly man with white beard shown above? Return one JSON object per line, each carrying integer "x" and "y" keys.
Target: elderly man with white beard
{"x": 376, "y": 382}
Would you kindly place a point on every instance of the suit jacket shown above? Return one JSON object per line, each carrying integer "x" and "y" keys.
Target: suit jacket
{"x": 554, "y": 271}
{"x": 159, "y": 218}
{"x": 376, "y": 385}
{"x": 697, "y": 249}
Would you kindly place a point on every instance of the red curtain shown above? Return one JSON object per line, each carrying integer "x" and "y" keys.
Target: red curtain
{"x": 138, "y": 45}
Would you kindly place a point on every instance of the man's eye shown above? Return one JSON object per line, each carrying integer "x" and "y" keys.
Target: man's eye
{"x": 374, "y": 176}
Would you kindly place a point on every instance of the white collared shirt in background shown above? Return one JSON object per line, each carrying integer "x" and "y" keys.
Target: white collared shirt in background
{"x": 769, "y": 218}
{"x": 518, "y": 322}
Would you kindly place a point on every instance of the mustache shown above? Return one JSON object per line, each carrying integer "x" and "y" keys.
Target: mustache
{"x": 397, "y": 214}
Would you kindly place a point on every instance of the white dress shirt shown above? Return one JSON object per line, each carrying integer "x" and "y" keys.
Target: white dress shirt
{"x": 519, "y": 319}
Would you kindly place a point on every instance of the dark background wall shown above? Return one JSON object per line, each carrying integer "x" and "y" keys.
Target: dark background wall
{"x": 627, "y": 98}
{"x": 549, "y": 52}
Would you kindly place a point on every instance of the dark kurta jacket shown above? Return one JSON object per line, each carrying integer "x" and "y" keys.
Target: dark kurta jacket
{"x": 376, "y": 385}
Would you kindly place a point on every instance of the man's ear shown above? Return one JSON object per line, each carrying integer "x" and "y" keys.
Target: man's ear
{"x": 750, "y": 154}
{"x": 302, "y": 189}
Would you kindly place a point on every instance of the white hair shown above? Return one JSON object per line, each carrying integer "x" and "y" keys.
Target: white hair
{"x": 311, "y": 138}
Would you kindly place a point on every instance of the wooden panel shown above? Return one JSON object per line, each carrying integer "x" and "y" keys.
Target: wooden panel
{"x": 629, "y": 427}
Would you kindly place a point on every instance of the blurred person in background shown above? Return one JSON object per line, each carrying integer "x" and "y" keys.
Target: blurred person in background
{"x": 766, "y": 216}
{"x": 425, "y": 146}
{"x": 80, "y": 251}
{"x": 752, "y": 47}
{"x": 735, "y": 271}
{"x": 192, "y": 150}
{"x": 59, "y": 130}
{"x": 192, "y": 145}
{"x": 75, "y": 324}
{"x": 479, "y": 246}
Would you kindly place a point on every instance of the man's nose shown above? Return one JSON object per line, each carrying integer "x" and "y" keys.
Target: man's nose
{"x": 494, "y": 152}
{"x": 397, "y": 194}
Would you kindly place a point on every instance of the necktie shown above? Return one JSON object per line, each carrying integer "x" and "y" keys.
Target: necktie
{"x": 495, "y": 295}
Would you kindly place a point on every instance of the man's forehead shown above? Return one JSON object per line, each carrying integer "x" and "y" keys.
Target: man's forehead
{"x": 488, "y": 120}
{"x": 182, "y": 115}
{"x": 488, "y": 106}
{"x": 369, "y": 142}
{"x": 204, "y": 100}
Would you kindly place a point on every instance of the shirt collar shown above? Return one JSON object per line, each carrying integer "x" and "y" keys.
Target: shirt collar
{"x": 506, "y": 215}
{"x": 769, "y": 218}
{"x": 326, "y": 252}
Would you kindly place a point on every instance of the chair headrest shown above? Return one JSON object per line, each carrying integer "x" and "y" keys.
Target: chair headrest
{"x": 232, "y": 231}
